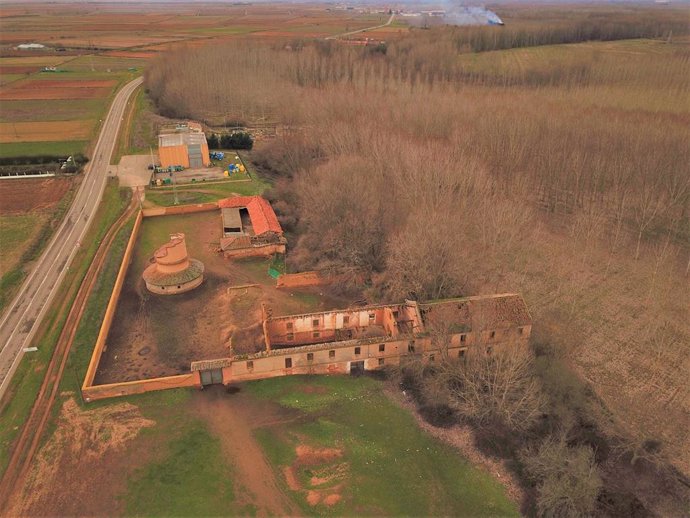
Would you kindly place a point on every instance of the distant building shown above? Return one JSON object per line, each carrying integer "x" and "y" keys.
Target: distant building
{"x": 250, "y": 228}
{"x": 185, "y": 146}
{"x": 30, "y": 46}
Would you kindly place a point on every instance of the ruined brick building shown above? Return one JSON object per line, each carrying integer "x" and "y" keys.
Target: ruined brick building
{"x": 369, "y": 338}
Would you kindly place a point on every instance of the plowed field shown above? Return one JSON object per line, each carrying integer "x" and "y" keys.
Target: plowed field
{"x": 22, "y": 94}
{"x": 53, "y": 83}
{"x": 21, "y": 196}
{"x": 19, "y": 69}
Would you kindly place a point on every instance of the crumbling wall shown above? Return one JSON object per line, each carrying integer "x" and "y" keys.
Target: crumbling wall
{"x": 255, "y": 251}
{"x": 179, "y": 209}
{"x": 298, "y": 280}
{"x": 95, "y": 392}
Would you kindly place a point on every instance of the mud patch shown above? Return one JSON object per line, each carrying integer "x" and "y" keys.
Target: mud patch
{"x": 323, "y": 472}
{"x": 313, "y": 389}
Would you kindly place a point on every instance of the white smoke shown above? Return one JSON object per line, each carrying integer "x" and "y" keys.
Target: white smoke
{"x": 465, "y": 15}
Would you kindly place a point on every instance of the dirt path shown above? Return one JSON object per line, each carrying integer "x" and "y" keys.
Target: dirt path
{"x": 350, "y": 33}
{"x": 230, "y": 417}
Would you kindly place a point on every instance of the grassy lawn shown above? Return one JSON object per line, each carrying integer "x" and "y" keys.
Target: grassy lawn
{"x": 205, "y": 192}
{"x": 16, "y": 405}
{"x": 140, "y": 135}
{"x": 189, "y": 478}
{"x": 42, "y": 148}
{"x": 26, "y": 239}
{"x": 16, "y": 232}
{"x": 55, "y": 110}
{"x": 387, "y": 466}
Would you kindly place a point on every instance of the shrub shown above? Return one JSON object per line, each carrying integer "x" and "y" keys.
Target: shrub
{"x": 238, "y": 140}
{"x": 568, "y": 481}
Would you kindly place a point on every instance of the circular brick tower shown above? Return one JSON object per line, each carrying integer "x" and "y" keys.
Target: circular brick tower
{"x": 173, "y": 271}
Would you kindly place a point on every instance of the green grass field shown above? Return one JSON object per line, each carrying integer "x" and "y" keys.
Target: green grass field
{"x": 389, "y": 466}
{"x": 42, "y": 148}
{"x": 191, "y": 473}
{"x": 16, "y": 232}
{"x": 22, "y": 239}
{"x": 56, "y": 110}
{"x": 205, "y": 192}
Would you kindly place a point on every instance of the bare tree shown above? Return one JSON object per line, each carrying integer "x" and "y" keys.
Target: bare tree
{"x": 568, "y": 480}
{"x": 499, "y": 385}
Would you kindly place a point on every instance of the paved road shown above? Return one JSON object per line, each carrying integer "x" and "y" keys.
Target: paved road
{"x": 336, "y": 36}
{"x": 23, "y": 317}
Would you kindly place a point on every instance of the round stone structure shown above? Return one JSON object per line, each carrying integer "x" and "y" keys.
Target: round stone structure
{"x": 173, "y": 271}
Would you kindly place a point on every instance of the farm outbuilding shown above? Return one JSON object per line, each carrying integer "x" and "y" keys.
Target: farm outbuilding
{"x": 186, "y": 146}
{"x": 250, "y": 227}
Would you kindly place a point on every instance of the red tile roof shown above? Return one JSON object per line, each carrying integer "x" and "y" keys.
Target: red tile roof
{"x": 260, "y": 212}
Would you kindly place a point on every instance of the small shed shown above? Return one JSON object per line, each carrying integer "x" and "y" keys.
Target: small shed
{"x": 232, "y": 222}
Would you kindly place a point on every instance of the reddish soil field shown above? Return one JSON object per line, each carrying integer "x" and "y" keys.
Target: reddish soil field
{"x": 125, "y": 54}
{"x": 9, "y": 69}
{"x": 21, "y": 196}
{"x": 23, "y": 94}
{"x": 288, "y": 34}
{"x": 53, "y": 83}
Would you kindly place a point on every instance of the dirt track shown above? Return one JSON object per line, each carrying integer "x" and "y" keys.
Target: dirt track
{"x": 229, "y": 417}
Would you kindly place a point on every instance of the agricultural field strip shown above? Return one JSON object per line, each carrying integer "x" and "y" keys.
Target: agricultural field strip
{"x": 21, "y": 319}
{"x": 45, "y": 131}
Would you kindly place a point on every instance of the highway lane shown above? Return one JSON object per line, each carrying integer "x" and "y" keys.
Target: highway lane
{"x": 23, "y": 317}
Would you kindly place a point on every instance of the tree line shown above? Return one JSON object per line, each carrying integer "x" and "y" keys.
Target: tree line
{"x": 561, "y": 173}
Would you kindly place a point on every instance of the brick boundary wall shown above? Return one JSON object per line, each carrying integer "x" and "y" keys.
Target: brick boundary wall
{"x": 297, "y": 280}
{"x": 127, "y": 388}
{"x": 93, "y": 392}
{"x": 255, "y": 251}
{"x": 179, "y": 209}
{"x": 112, "y": 305}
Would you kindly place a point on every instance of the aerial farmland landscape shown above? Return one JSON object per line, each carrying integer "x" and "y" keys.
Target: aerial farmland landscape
{"x": 345, "y": 259}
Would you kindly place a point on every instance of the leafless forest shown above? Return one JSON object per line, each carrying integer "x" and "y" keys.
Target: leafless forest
{"x": 561, "y": 172}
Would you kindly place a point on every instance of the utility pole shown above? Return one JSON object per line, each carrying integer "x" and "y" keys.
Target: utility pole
{"x": 175, "y": 200}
